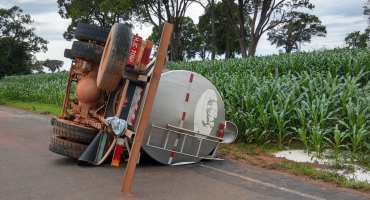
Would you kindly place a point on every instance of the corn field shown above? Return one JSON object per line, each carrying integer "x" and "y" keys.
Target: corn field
{"x": 44, "y": 88}
{"x": 320, "y": 99}
{"x": 338, "y": 62}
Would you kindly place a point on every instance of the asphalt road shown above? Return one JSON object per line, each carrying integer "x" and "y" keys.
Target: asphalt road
{"x": 28, "y": 170}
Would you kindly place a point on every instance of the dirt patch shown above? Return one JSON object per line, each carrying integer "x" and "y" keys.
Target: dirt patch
{"x": 253, "y": 155}
{"x": 250, "y": 155}
{"x": 254, "y": 158}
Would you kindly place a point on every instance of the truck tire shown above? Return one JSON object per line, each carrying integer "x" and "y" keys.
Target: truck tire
{"x": 66, "y": 148}
{"x": 69, "y": 130}
{"x": 112, "y": 106}
{"x": 85, "y": 32}
{"x": 87, "y": 51}
{"x": 67, "y": 54}
{"x": 113, "y": 61}
{"x": 52, "y": 120}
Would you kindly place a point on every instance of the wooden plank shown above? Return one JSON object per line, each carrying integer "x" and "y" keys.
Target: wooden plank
{"x": 144, "y": 118}
{"x": 145, "y": 60}
{"x": 140, "y": 55}
{"x": 151, "y": 70}
{"x": 129, "y": 134}
{"x": 127, "y": 74}
{"x": 143, "y": 78}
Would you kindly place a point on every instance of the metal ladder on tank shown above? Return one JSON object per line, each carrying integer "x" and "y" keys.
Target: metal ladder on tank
{"x": 187, "y": 134}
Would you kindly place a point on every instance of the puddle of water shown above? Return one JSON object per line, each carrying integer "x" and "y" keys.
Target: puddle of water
{"x": 359, "y": 173}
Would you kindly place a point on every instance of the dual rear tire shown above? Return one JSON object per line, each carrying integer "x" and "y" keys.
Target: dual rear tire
{"x": 70, "y": 139}
{"x": 66, "y": 147}
{"x": 70, "y": 130}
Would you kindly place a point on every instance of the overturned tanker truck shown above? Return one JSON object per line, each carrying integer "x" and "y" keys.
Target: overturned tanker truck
{"x": 110, "y": 73}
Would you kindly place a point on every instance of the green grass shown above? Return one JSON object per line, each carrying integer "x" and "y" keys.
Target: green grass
{"x": 35, "y": 107}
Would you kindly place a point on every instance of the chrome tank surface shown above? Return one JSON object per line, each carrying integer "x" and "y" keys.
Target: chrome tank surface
{"x": 182, "y": 93}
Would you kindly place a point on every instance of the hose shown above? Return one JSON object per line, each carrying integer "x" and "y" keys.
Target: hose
{"x": 109, "y": 150}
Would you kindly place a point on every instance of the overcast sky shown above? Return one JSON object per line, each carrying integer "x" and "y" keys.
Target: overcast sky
{"x": 339, "y": 16}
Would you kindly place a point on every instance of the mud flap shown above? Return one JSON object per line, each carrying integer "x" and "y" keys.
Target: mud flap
{"x": 89, "y": 155}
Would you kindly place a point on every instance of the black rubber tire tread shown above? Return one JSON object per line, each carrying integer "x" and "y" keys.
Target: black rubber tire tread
{"x": 113, "y": 62}
{"x": 52, "y": 120}
{"x": 66, "y": 148}
{"x": 87, "y": 51}
{"x": 69, "y": 130}
{"x": 86, "y": 32}
{"x": 67, "y": 54}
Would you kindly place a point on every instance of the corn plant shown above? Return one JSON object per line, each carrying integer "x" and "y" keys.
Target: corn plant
{"x": 357, "y": 113}
{"x": 248, "y": 133}
{"x": 317, "y": 139}
{"x": 337, "y": 142}
{"x": 302, "y": 132}
{"x": 281, "y": 122}
{"x": 264, "y": 119}
{"x": 357, "y": 137}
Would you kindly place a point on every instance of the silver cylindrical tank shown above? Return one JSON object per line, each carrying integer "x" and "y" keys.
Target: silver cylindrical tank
{"x": 184, "y": 100}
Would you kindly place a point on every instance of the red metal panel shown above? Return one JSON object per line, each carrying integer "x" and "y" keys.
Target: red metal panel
{"x": 134, "y": 51}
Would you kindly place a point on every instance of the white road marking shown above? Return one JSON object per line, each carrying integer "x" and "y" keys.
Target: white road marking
{"x": 263, "y": 183}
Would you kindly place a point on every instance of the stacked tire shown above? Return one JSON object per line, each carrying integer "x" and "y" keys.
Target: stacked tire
{"x": 70, "y": 139}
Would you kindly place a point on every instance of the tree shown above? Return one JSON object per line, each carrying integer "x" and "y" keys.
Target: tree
{"x": 357, "y": 40}
{"x": 210, "y": 8}
{"x": 190, "y": 40}
{"x": 53, "y": 65}
{"x": 36, "y": 65}
{"x": 225, "y": 38}
{"x": 238, "y": 23}
{"x": 296, "y": 31}
{"x": 18, "y": 42}
{"x": 99, "y": 12}
{"x": 265, "y": 15}
{"x": 172, "y": 11}
{"x": 189, "y": 43}
{"x": 367, "y": 11}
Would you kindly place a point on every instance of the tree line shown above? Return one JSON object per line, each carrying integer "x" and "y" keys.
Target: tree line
{"x": 356, "y": 39}
{"x": 19, "y": 43}
{"x": 226, "y": 28}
